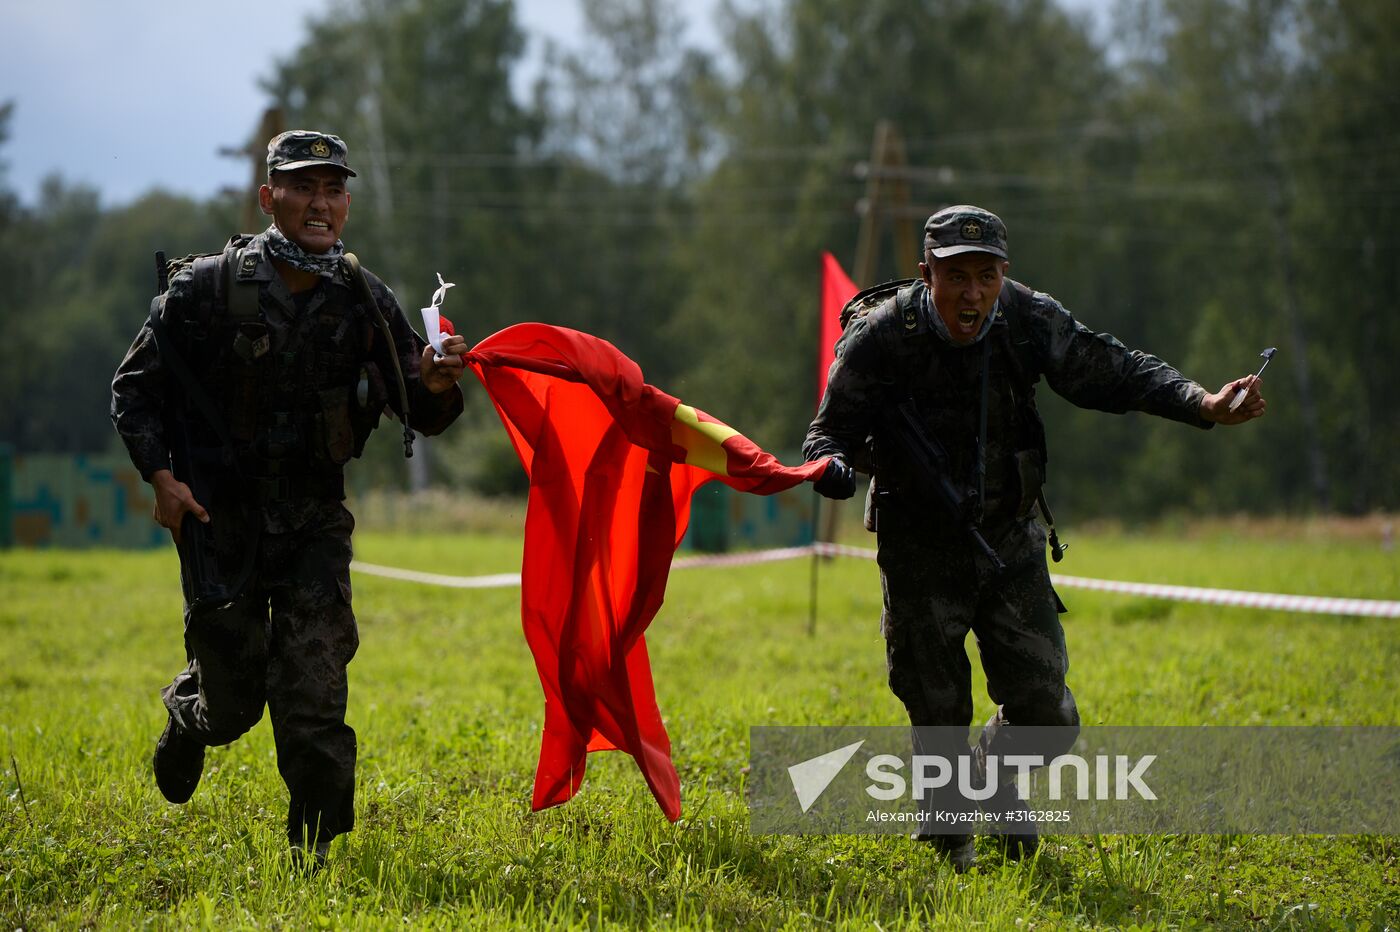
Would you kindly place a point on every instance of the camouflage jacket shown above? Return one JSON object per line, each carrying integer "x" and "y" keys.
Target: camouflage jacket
{"x": 321, "y": 347}
{"x": 899, "y": 350}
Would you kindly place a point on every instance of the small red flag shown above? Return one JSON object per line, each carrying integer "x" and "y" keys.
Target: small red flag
{"x": 837, "y": 289}
{"x": 613, "y": 463}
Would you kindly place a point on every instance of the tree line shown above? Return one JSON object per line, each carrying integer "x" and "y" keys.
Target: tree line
{"x": 1217, "y": 177}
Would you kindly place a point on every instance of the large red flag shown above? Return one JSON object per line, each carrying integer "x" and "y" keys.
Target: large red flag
{"x": 837, "y": 289}
{"x": 612, "y": 462}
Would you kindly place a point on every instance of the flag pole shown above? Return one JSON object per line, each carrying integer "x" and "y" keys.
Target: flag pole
{"x": 835, "y": 290}
{"x": 816, "y": 497}
{"x": 816, "y": 564}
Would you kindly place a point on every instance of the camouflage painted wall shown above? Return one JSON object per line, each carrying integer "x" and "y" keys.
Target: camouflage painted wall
{"x": 722, "y": 519}
{"x": 78, "y": 501}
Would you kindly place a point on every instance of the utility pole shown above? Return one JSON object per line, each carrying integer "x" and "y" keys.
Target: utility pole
{"x": 256, "y": 153}
{"x": 886, "y": 203}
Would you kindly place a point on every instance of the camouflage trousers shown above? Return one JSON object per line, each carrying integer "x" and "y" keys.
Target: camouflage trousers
{"x": 285, "y": 642}
{"x": 934, "y": 594}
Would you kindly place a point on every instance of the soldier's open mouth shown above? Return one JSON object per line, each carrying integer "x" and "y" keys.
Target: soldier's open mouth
{"x": 318, "y": 224}
{"x": 967, "y": 317}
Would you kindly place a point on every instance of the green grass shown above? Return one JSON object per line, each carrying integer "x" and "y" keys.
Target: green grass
{"x": 447, "y": 707}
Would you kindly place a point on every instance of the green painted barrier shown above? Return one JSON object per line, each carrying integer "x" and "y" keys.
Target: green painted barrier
{"x": 722, "y": 519}
{"x": 7, "y": 511}
{"x": 80, "y": 500}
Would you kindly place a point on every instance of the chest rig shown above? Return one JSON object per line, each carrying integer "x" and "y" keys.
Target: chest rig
{"x": 945, "y": 386}
{"x": 289, "y": 402}
{"x": 908, "y": 339}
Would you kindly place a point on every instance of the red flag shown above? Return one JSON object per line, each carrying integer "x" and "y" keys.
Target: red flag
{"x": 837, "y": 289}
{"x": 612, "y": 462}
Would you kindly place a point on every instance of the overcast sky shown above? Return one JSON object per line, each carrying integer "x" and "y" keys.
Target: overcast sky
{"x": 127, "y": 95}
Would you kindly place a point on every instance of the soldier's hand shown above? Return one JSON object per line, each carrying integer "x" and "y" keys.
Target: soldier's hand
{"x": 439, "y": 373}
{"x": 173, "y": 501}
{"x": 1216, "y": 408}
{"x": 837, "y": 481}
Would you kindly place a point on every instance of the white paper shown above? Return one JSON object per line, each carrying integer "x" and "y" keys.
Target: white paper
{"x": 432, "y": 316}
{"x": 432, "y": 324}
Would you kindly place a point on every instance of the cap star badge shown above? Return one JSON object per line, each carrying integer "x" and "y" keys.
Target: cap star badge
{"x": 964, "y": 228}
{"x": 301, "y": 148}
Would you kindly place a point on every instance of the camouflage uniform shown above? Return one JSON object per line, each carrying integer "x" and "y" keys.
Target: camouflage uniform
{"x": 936, "y": 585}
{"x": 287, "y": 638}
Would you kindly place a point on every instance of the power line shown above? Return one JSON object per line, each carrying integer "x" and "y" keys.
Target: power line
{"x": 852, "y": 152}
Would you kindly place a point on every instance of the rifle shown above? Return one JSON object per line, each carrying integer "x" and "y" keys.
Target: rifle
{"x": 930, "y": 460}
{"x": 205, "y": 582}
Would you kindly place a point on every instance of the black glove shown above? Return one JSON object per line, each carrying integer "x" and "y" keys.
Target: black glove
{"x": 838, "y": 481}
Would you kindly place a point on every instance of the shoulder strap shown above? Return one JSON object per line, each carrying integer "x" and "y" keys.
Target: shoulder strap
{"x": 913, "y": 322}
{"x": 221, "y": 280}
{"x": 234, "y": 296}
{"x": 239, "y": 265}
{"x": 909, "y": 339}
{"x": 1013, "y": 303}
{"x": 208, "y": 286}
{"x": 1015, "y": 300}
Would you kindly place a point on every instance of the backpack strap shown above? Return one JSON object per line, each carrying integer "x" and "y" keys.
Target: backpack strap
{"x": 240, "y": 300}
{"x": 1012, "y": 331}
{"x": 239, "y": 268}
{"x": 207, "y": 280}
{"x": 909, "y": 339}
{"x": 1013, "y": 306}
{"x": 1015, "y": 301}
{"x": 225, "y": 297}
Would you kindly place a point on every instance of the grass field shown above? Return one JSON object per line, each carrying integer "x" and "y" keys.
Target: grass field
{"x": 447, "y": 706}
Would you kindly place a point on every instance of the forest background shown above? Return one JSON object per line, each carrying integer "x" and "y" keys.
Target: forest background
{"x": 1203, "y": 179}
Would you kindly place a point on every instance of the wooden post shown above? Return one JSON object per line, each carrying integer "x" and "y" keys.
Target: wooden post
{"x": 256, "y": 153}
{"x": 887, "y": 202}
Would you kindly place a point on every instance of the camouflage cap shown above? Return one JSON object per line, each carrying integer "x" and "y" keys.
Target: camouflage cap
{"x": 964, "y": 228}
{"x": 302, "y": 148}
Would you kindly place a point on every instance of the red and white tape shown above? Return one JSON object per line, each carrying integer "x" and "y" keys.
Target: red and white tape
{"x": 1317, "y": 605}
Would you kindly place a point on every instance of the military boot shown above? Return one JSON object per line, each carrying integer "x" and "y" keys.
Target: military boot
{"x": 961, "y": 850}
{"x": 178, "y": 763}
{"x": 308, "y": 859}
{"x": 1013, "y": 830}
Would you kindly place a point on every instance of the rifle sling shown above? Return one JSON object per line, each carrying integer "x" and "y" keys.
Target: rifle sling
{"x": 1012, "y": 336}
{"x": 357, "y": 273}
